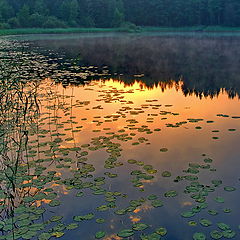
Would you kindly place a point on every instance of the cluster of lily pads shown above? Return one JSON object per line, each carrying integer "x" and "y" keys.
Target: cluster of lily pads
{"x": 40, "y": 155}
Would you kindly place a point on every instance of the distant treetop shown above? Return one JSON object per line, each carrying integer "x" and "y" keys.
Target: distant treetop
{"x": 116, "y": 13}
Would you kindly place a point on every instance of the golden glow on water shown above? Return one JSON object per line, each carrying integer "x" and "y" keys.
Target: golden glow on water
{"x": 110, "y": 106}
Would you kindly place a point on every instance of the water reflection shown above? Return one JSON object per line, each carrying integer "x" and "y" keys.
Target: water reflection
{"x": 104, "y": 156}
{"x": 205, "y": 64}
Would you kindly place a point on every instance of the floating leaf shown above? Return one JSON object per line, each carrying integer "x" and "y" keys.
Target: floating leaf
{"x": 219, "y": 199}
{"x": 171, "y": 193}
{"x": 216, "y": 234}
{"x": 163, "y": 150}
{"x": 229, "y": 189}
{"x": 205, "y": 222}
{"x": 157, "y": 203}
{"x": 161, "y": 231}
{"x": 139, "y": 226}
{"x": 126, "y": 233}
{"x": 223, "y": 226}
{"x": 199, "y": 236}
{"x": 166, "y": 174}
{"x": 100, "y": 234}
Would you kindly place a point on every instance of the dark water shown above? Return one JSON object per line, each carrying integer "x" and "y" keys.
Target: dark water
{"x": 145, "y": 129}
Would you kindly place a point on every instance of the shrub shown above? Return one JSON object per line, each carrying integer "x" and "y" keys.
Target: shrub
{"x": 53, "y": 22}
{"x": 130, "y": 27}
{"x": 4, "y": 26}
{"x": 13, "y": 22}
{"x": 36, "y": 20}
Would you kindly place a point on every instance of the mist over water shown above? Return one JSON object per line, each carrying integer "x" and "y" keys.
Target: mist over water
{"x": 205, "y": 64}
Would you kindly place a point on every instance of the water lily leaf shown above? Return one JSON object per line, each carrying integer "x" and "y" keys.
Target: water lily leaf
{"x": 199, "y": 236}
{"x": 192, "y": 223}
{"x": 171, "y": 193}
{"x": 72, "y": 226}
{"x": 229, "y": 189}
{"x": 212, "y": 212}
{"x": 161, "y": 231}
{"x": 152, "y": 197}
{"x": 205, "y": 222}
{"x": 100, "y": 220}
{"x": 58, "y": 234}
{"x": 100, "y": 234}
{"x": 157, "y": 203}
{"x": 54, "y": 203}
{"x": 219, "y": 199}
{"x": 29, "y": 235}
{"x": 188, "y": 214}
{"x": 139, "y": 226}
{"x": 223, "y": 226}
{"x": 216, "y": 234}
{"x": 55, "y": 218}
{"x": 44, "y": 236}
{"x": 166, "y": 174}
{"x": 153, "y": 236}
{"x": 163, "y": 150}
{"x": 126, "y": 233}
{"x": 229, "y": 234}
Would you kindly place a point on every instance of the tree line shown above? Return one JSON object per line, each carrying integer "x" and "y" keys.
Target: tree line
{"x": 117, "y": 13}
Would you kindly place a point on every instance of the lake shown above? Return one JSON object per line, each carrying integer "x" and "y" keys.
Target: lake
{"x": 120, "y": 136}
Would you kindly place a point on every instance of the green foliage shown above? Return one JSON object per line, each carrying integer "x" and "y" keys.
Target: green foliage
{"x": 117, "y": 13}
{"x": 53, "y": 22}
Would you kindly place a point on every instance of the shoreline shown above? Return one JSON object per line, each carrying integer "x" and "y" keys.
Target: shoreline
{"x": 24, "y": 31}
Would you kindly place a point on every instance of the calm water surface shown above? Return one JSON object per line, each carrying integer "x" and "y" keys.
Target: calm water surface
{"x": 114, "y": 137}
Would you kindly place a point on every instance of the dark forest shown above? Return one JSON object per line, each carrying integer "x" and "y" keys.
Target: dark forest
{"x": 118, "y": 13}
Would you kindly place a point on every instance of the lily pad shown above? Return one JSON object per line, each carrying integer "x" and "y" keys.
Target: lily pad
{"x": 139, "y": 226}
{"x": 125, "y": 233}
{"x": 205, "y": 222}
{"x": 166, "y": 174}
{"x": 163, "y": 150}
{"x": 161, "y": 231}
{"x": 199, "y": 236}
{"x": 100, "y": 234}
{"x": 216, "y": 234}
{"x": 171, "y": 193}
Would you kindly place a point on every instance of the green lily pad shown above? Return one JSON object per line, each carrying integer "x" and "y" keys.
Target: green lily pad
{"x": 223, "y": 226}
{"x": 100, "y": 220}
{"x": 227, "y": 210}
{"x": 192, "y": 223}
{"x": 229, "y": 234}
{"x": 216, "y": 234}
{"x": 171, "y": 193}
{"x": 152, "y": 197}
{"x": 188, "y": 214}
{"x": 132, "y": 161}
{"x": 157, "y": 203}
{"x": 100, "y": 234}
{"x": 58, "y": 234}
{"x": 44, "y": 236}
{"x": 139, "y": 226}
{"x": 199, "y": 236}
{"x": 125, "y": 233}
{"x": 161, "y": 231}
{"x": 205, "y": 222}
{"x": 72, "y": 226}
{"x": 229, "y": 189}
{"x": 55, "y": 218}
{"x": 166, "y": 174}
{"x": 212, "y": 212}
{"x": 219, "y": 199}
{"x": 54, "y": 203}
{"x": 153, "y": 236}
{"x": 163, "y": 150}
